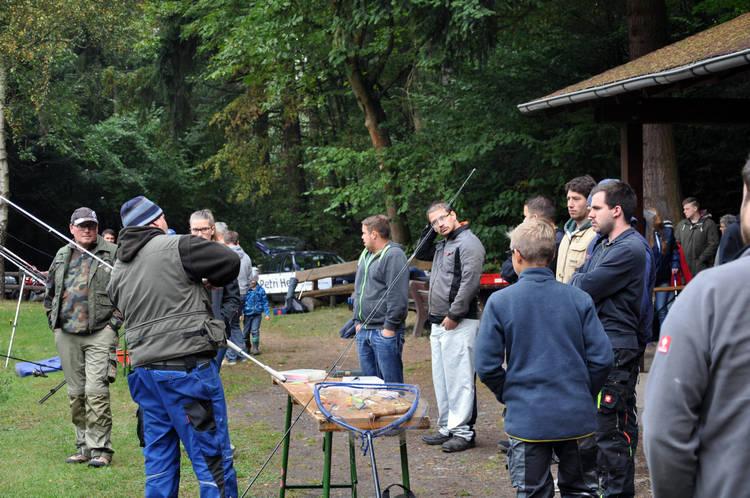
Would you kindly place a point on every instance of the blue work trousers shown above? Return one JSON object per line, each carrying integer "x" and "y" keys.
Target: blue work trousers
{"x": 189, "y": 407}
{"x": 381, "y": 356}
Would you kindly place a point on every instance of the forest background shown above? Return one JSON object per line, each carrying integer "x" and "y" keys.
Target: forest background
{"x": 290, "y": 117}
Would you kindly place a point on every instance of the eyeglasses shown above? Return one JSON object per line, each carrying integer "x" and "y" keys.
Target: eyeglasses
{"x": 200, "y": 229}
{"x": 439, "y": 220}
{"x": 87, "y": 226}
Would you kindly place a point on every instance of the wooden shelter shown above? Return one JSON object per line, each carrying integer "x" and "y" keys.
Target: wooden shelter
{"x": 638, "y": 92}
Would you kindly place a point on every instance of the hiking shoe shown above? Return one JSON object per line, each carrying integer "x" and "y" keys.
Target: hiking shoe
{"x": 456, "y": 443}
{"x": 435, "y": 439}
{"x": 102, "y": 460}
{"x": 255, "y": 350}
{"x": 504, "y": 445}
{"x": 231, "y": 362}
{"x": 77, "y": 458}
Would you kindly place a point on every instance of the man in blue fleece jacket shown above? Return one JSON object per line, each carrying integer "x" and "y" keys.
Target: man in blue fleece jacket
{"x": 615, "y": 277}
{"x": 558, "y": 357}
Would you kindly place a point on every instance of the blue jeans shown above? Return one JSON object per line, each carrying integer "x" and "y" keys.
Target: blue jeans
{"x": 189, "y": 407}
{"x": 236, "y": 337}
{"x": 380, "y": 356}
{"x": 252, "y": 328}
{"x": 662, "y": 303}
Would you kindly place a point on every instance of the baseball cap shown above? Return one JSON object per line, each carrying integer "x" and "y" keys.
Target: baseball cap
{"x": 82, "y": 215}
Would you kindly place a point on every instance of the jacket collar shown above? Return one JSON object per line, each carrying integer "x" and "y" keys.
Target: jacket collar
{"x": 537, "y": 274}
{"x": 571, "y": 227}
{"x": 457, "y": 231}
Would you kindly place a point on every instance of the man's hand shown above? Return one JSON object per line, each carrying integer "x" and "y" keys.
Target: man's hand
{"x": 268, "y": 317}
{"x": 449, "y": 324}
{"x": 388, "y": 333}
{"x": 357, "y": 327}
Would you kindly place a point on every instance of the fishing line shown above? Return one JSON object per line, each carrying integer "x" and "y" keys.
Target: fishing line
{"x": 348, "y": 346}
{"x": 29, "y": 245}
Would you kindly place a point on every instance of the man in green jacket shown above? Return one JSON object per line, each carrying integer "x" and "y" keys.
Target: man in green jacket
{"x": 698, "y": 235}
{"x": 85, "y": 326}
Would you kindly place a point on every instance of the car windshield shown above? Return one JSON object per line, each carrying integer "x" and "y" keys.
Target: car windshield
{"x": 281, "y": 243}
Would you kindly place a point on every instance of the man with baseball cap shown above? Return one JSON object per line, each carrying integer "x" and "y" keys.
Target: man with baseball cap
{"x": 158, "y": 285}
{"x": 85, "y": 325}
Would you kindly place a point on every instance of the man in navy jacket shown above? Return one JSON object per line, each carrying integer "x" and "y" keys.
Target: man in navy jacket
{"x": 615, "y": 277}
{"x": 558, "y": 358}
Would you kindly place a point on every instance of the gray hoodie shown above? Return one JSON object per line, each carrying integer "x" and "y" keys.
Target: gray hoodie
{"x": 696, "y": 423}
{"x": 246, "y": 269}
{"x": 375, "y": 273}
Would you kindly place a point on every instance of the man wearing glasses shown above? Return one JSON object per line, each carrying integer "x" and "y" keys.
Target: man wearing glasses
{"x": 225, "y": 301}
{"x": 85, "y": 326}
{"x": 453, "y": 311}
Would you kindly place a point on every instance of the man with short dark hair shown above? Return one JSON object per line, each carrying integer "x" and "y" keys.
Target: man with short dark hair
{"x": 578, "y": 231}
{"x": 696, "y": 422}
{"x": 537, "y": 207}
{"x": 381, "y": 301}
{"x": 454, "y": 313}
{"x": 85, "y": 325}
{"x": 698, "y": 235}
{"x": 614, "y": 276}
{"x": 158, "y": 284}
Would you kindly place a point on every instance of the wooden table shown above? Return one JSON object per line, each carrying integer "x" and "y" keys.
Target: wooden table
{"x": 301, "y": 393}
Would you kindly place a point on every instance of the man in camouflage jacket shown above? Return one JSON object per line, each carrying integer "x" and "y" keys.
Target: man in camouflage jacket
{"x": 85, "y": 325}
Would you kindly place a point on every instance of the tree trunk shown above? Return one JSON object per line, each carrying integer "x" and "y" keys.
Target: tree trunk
{"x": 291, "y": 153}
{"x": 647, "y": 31}
{"x": 4, "y": 177}
{"x": 374, "y": 118}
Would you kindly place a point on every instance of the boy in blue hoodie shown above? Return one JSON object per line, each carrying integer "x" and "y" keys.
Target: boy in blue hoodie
{"x": 256, "y": 305}
{"x": 558, "y": 357}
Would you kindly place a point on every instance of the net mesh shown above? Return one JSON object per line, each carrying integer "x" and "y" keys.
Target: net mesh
{"x": 369, "y": 409}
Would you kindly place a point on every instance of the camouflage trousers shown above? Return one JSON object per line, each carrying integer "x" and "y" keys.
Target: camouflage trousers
{"x": 85, "y": 361}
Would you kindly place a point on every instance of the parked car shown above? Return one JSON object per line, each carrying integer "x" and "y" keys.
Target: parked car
{"x": 286, "y": 261}
{"x": 275, "y": 244}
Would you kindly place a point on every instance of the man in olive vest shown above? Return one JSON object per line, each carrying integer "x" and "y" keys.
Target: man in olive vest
{"x": 158, "y": 285}
{"x": 85, "y": 326}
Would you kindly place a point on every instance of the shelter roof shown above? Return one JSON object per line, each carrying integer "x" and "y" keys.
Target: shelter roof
{"x": 721, "y": 48}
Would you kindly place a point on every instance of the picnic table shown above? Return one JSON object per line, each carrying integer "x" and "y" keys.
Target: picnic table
{"x": 300, "y": 393}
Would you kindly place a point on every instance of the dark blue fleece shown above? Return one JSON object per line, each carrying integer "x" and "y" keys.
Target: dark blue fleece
{"x": 558, "y": 357}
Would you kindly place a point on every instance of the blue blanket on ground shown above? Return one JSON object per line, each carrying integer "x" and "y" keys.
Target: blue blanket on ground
{"x": 52, "y": 365}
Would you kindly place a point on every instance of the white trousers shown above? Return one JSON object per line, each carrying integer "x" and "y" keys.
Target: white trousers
{"x": 453, "y": 376}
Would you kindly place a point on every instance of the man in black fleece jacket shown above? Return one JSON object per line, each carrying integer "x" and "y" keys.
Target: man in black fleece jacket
{"x": 614, "y": 276}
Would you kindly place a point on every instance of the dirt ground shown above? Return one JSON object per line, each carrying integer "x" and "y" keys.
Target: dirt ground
{"x": 476, "y": 472}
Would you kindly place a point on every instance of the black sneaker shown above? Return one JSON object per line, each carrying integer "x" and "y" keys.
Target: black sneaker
{"x": 435, "y": 439}
{"x": 456, "y": 443}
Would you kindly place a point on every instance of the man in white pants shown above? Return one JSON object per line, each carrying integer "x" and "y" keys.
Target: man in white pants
{"x": 453, "y": 311}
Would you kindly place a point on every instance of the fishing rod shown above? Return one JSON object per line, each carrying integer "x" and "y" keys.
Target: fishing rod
{"x": 52, "y": 392}
{"x": 421, "y": 242}
{"x": 23, "y": 264}
{"x": 232, "y": 345}
{"x": 54, "y": 231}
{"x": 51, "y": 368}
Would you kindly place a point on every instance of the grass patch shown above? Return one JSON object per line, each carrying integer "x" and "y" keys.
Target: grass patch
{"x": 37, "y": 438}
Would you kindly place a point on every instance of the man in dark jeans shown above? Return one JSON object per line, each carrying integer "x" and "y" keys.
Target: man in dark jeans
{"x": 614, "y": 276}
{"x": 381, "y": 300}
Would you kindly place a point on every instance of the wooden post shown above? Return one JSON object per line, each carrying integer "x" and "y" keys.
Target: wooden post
{"x": 631, "y": 165}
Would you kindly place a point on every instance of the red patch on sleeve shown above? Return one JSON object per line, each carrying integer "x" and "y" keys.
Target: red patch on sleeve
{"x": 664, "y": 344}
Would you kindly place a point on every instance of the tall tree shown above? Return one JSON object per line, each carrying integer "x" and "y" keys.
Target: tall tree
{"x": 647, "y": 31}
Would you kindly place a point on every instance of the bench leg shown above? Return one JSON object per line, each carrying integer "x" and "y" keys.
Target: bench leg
{"x": 327, "y": 443}
{"x": 285, "y": 447}
{"x": 404, "y": 460}
{"x": 353, "y": 465}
